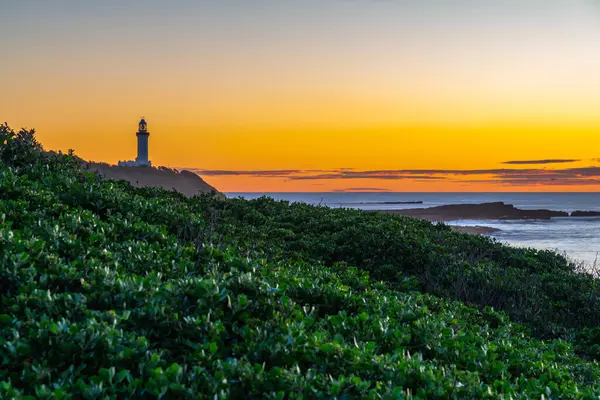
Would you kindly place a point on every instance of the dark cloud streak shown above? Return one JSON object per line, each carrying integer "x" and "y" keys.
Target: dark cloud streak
{"x": 539, "y": 162}
{"x": 265, "y": 173}
{"x": 365, "y": 175}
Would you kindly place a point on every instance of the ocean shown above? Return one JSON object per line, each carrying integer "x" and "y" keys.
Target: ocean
{"x": 578, "y": 238}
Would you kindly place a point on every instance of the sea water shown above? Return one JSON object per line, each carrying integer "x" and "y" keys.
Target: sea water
{"x": 578, "y": 238}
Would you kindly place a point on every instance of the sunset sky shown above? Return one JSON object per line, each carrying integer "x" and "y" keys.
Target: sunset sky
{"x": 316, "y": 95}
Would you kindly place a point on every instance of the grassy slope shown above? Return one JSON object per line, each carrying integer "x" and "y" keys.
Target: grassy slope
{"x": 109, "y": 290}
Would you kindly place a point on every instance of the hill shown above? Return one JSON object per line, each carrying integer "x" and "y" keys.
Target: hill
{"x": 114, "y": 291}
{"x": 185, "y": 182}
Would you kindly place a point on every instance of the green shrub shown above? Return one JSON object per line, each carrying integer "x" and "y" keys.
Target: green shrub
{"x": 111, "y": 291}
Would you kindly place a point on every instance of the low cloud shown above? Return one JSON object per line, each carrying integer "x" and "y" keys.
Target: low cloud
{"x": 264, "y": 173}
{"x": 363, "y": 175}
{"x": 539, "y": 182}
{"x": 539, "y": 162}
{"x": 502, "y": 176}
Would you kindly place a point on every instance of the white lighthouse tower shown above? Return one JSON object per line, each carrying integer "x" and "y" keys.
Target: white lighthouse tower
{"x": 142, "y": 148}
{"x": 142, "y": 137}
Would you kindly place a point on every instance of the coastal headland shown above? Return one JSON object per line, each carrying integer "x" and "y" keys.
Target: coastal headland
{"x": 184, "y": 182}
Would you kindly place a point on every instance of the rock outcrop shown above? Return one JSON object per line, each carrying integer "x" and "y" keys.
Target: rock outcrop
{"x": 484, "y": 211}
{"x": 585, "y": 214}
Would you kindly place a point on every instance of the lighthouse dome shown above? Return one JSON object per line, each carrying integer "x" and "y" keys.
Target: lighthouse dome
{"x": 143, "y": 125}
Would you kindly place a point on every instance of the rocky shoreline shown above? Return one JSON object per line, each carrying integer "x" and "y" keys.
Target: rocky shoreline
{"x": 482, "y": 212}
{"x": 585, "y": 214}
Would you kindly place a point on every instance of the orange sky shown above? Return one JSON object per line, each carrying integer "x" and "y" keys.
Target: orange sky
{"x": 359, "y": 85}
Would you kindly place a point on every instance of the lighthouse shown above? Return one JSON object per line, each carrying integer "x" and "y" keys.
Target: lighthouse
{"x": 142, "y": 147}
{"x": 142, "y": 137}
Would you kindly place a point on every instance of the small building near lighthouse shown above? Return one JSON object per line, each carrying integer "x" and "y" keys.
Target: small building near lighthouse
{"x": 142, "y": 159}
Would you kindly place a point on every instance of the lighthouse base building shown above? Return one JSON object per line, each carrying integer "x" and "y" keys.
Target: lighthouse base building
{"x": 142, "y": 148}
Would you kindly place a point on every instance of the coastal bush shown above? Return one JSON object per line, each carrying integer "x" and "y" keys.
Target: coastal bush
{"x": 111, "y": 291}
{"x": 540, "y": 289}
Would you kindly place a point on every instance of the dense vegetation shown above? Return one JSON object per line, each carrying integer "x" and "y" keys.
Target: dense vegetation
{"x": 111, "y": 291}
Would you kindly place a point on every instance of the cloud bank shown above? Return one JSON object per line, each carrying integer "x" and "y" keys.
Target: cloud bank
{"x": 588, "y": 176}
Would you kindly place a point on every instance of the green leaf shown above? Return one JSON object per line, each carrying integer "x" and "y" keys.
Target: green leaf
{"x": 59, "y": 394}
{"x": 53, "y": 328}
{"x": 327, "y": 348}
{"x": 363, "y": 316}
{"x": 174, "y": 370}
{"x": 5, "y": 319}
{"x": 122, "y": 375}
{"x": 107, "y": 374}
{"x": 370, "y": 346}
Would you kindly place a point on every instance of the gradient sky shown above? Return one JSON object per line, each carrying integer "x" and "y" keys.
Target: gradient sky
{"x": 316, "y": 95}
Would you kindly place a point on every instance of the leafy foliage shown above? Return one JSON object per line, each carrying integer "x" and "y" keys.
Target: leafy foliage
{"x": 537, "y": 288}
{"x": 111, "y": 291}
